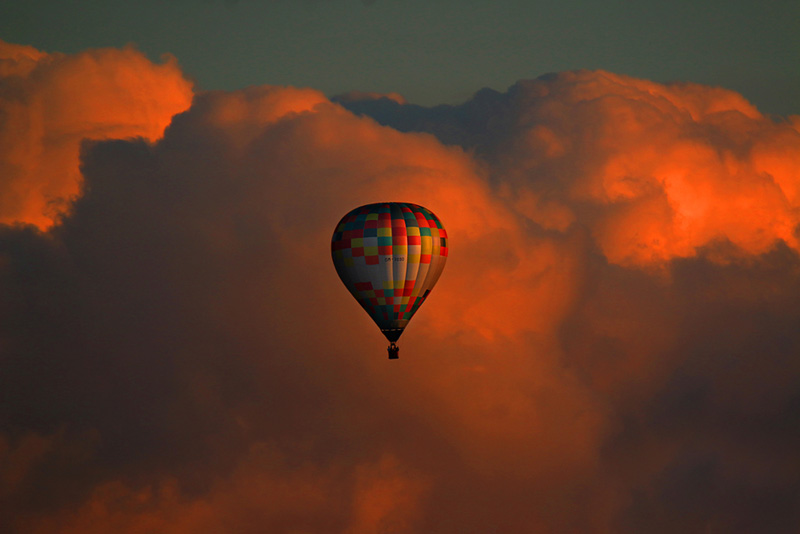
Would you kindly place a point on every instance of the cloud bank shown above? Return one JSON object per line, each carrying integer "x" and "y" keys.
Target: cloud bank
{"x": 50, "y": 103}
{"x": 612, "y": 347}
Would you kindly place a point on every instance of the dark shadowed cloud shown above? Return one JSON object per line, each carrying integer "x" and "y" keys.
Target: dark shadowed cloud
{"x": 611, "y": 348}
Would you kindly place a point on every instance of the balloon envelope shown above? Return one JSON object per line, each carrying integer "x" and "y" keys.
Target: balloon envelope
{"x": 389, "y": 256}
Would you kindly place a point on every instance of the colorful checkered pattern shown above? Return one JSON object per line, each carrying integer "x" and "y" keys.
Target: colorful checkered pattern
{"x": 389, "y": 256}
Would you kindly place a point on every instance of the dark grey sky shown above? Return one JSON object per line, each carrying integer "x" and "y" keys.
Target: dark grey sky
{"x": 437, "y": 51}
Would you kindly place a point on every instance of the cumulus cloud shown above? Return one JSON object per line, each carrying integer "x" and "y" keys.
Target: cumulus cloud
{"x": 361, "y": 96}
{"x": 51, "y": 102}
{"x": 610, "y": 348}
{"x": 655, "y": 171}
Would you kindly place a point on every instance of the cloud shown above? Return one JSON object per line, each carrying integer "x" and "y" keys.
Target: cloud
{"x": 51, "y": 102}
{"x": 655, "y": 171}
{"x": 605, "y": 351}
{"x": 361, "y": 96}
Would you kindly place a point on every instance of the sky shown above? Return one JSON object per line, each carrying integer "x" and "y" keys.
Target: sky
{"x": 611, "y": 348}
{"x": 436, "y": 51}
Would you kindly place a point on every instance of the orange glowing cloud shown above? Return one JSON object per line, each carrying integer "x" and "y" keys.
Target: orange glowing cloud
{"x": 183, "y": 338}
{"x": 52, "y": 102}
{"x": 259, "y": 495}
{"x": 654, "y": 170}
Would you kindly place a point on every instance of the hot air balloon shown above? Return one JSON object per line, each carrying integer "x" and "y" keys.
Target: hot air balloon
{"x": 389, "y": 256}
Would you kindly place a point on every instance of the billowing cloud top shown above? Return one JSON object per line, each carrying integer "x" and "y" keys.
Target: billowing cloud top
{"x": 52, "y": 102}
{"x": 612, "y": 347}
{"x": 655, "y": 171}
